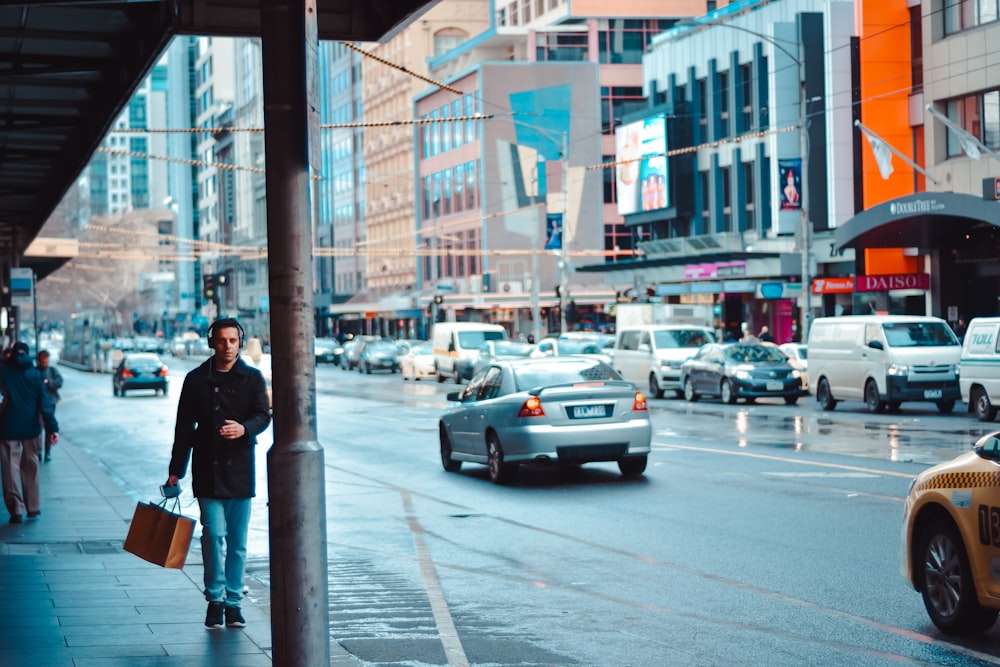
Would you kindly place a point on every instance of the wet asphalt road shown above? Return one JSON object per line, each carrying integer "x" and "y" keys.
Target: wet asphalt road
{"x": 761, "y": 534}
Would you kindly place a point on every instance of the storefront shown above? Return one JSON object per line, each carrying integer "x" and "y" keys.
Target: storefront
{"x": 931, "y": 253}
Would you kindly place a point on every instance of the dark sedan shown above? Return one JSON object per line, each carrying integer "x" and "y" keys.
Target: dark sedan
{"x": 740, "y": 370}
{"x": 140, "y": 370}
{"x": 378, "y": 355}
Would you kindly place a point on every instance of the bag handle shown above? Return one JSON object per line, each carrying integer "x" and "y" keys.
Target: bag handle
{"x": 176, "y": 507}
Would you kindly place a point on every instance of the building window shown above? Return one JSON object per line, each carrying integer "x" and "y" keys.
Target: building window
{"x": 459, "y": 188}
{"x": 965, "y": 14}
{"x": 447, "y": 39}
{"x": 445, "y": 128}
{"x": 609, "y": 181}
{"x": 746, "y": 85}
{"x": 625, "y": 40}
{"x": 722, "y": 104}
{"x": 618, "y": 102}
{"x": 561, "y": 47}
{"x": 706, "y": 203}
{"x": 702, "y": 104}
{"x": 750, "y": 186}
{"x": 727, "y": 200}
{"x": 977, "y": 114}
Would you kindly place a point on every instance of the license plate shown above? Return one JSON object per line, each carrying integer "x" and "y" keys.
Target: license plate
{"x": 775, "y": 385}
{"x": 590, "y": 411}
{"x": 932, "y": 393}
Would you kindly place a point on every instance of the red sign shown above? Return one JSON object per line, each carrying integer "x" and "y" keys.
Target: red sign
{"x": 833, "y": 285}
{"x": 893, "y": 282}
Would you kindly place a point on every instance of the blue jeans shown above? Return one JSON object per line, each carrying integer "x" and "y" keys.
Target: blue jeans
{"x": 226, "y": 520}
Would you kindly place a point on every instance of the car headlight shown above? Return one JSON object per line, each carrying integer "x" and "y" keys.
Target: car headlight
{"x": 796, "y": 373}
{"x": 898, "y": 370}
{"x": 669, "y": 363}
{"x": 742, "y": 375}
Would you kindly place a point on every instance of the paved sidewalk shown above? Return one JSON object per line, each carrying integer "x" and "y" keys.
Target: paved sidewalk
{"x": 70, "y": 595}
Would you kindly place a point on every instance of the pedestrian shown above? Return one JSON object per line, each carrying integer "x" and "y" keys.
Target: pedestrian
{"x": 221, "y": 410}
{"x": 26, "y": 406}
{"x": 53, "y": 383}
{"x": 765, "y": 335}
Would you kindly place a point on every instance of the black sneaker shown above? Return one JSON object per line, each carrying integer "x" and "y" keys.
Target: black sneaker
{"x": 213, "y": 619}
{"x": 16, "y": 518}
{"x": 35, "y": 514}
{"x": 234, "y": 618}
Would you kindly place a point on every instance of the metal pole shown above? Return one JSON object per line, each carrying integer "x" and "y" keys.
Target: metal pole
{"x": 805, "y": 312}
{"x": 300, "y": 628}
{"x": 536, "y": 309}
{"x": 563, "y": 257}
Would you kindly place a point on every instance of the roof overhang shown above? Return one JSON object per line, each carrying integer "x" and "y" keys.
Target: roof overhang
{"x": 925, "y": 220}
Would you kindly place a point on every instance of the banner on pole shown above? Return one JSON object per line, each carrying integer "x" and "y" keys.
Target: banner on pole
{"x": 553, "y": 231}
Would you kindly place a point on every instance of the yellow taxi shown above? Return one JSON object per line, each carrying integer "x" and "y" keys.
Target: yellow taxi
{"x": 951, "y": 539}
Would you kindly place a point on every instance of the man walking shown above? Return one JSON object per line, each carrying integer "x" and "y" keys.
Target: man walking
{"x": 26, "y": 406}
{"x": 53, "y": 381}
{"x": 221, "y": 410}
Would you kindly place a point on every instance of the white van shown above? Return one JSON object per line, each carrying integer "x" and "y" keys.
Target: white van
{"x": 651, "y": 355}
{"x": 456, "y": 346}
{"x": 884, "y": 360}
{"x": 980, "y": 366}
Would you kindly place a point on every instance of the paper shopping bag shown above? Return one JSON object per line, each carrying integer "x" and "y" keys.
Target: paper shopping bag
{"x": 160, "y": 536}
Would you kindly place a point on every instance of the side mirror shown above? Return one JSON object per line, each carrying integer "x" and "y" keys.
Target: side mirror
{"x": 451, "y": 346}
{"x": 876, "y": 345}
{"x": 454, "y": 396}
{"x": 645, "y": 348}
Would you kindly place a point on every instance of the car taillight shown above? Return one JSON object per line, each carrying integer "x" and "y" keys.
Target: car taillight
{"x": 126, "y": 373}
{"x": 531, "y": 408}
{"x": 640, "y": 401}
{"x": 163, "y": 372}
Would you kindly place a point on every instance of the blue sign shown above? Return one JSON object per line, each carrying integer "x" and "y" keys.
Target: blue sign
{"x": 553, "y": 231}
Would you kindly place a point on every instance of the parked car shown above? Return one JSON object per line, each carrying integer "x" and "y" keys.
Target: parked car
{"x": 493, "y": 350}
{"x": 740, "y": 370}
{"x": 797, "y": 354}
{"x": 456, "y": 346}
{"x": 979, "y": 380}
{"x": 140, "y": 370}
{"x": 327, "y": 350}
{"x": 951, "y": 539}
{"x": 651, "y": 354}
{"x": 418, "y": 362}
{"x": 378, "y": 355}
{"x": 567, "y": 410}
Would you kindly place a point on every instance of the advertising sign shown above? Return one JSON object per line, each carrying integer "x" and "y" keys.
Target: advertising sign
{"x": 918, "y": 281}
{"x": 641, "y": 175}
{"x": 836, "y": 285}
{"x": 790, "y": 184}
{"x": 553, "y": 231}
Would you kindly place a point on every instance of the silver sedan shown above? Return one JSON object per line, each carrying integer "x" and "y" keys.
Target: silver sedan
{"x": 568, "y": 410}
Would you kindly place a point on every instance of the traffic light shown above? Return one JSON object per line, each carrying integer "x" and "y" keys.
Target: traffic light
{"x": 208, "y": 286}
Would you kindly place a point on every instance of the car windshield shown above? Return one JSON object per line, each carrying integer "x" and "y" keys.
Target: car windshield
{"x": 380, "y": 348}
{"x": 475, "y": 339}
{"x": 565, "y": 371}
{"x": 918, "y": 334}
{"x": 668, "y": 338}
{"x": 579, "y": 346}
{"x": 142, "y": 359}
{"x": 753, "y": 353}
{"x": 512, "y": 348}
{"x": 326, "y": 343}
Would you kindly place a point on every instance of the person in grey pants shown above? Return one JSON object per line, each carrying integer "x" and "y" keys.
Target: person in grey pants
{"x": 53, "y": 383}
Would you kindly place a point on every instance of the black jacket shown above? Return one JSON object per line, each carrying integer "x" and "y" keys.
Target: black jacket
{"x": 220, "y": 468}
{"x": 25, "y": 400}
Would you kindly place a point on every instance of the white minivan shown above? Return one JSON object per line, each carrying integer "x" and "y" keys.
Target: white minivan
{"x": 980, "y": 365}
{"x": 456, "y": 346}
{"x": 651, "y": 354}
{"x": 884, "y": 360}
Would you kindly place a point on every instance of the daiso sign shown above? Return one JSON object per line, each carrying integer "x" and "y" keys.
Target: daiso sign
{"x": 886, "y": 283}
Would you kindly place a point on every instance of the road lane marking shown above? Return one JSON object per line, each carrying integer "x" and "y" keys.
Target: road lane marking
{"x": 453, "y": 648}
{"x": 785, "y": 459}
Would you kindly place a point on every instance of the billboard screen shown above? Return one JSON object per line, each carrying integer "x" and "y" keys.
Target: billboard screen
{"x": 641, "y": 174}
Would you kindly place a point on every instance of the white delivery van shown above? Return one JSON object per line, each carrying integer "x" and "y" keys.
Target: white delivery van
{"x": 651, "y": 355}
{"x": 456, "y": 346}
{"x": 980, "y": 367}
{"x": 884, "y": 360}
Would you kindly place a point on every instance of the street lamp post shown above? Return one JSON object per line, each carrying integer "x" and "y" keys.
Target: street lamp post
{"x": 805, "y": 228}
{"x": 563, "y": 259}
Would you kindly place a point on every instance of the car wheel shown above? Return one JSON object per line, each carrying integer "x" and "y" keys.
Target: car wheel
{"x": 114, "y": 389}
{"x": 726, "y": 392}
{"x": 946, "y": 405}
{"x": 121, "y": 392}
{"x": 689, "y": 392}
{"x": 500, "y": 472}
{"x": 457, "y": 376}
{"x": 893, "y": 406}
{"x": 791, "y": 400}
{"x": 440, "y": 378}
{"x": 632, "y": 466}
{"x": 824, "y": 396}
{"x": 368, "y": 369}
{"x": 875, "y": 404}
{"x": 679, "y": 393}
{"x": 985, "y": 410}
{"x": 448, "y": 463}
{"x": 948, "y": 591}
{"x": 654, "y": 387}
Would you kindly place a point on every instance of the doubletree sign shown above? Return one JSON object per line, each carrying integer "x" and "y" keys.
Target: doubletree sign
{"x": 920, "y": 281}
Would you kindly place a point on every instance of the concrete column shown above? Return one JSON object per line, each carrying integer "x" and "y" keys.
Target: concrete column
{"x": 295, "y": 480}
